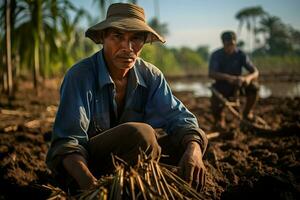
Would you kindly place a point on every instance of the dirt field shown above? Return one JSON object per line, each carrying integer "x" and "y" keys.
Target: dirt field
{"x": 241, "y": 163}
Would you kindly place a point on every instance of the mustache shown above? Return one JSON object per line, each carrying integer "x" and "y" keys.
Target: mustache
{"x": 126, "y": 56}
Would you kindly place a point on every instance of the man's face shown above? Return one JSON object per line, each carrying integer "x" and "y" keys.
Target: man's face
{"x": 229, "y": 46}
{"x": 121, "y": 48}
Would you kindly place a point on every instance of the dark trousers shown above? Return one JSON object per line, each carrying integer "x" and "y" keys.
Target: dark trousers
{"x": 126, "y": 141}
{"x": 232, "y": 94}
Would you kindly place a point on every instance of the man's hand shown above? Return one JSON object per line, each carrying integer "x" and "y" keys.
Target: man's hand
{"x": 76, "y": 166}
{"x": 241, "y": 80}
{"x": 237, "y": 80}
{"x": 192, "y": 167}
{"x": 247, "y": 80}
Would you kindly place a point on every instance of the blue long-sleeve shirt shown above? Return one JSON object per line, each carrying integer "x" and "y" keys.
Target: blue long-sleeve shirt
{"x": 232, "y": 64}
{"x": 88, "y": 100}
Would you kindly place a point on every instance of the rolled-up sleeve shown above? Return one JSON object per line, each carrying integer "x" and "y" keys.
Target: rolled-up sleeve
{"x": 164, "y": 110}
{"x": 248, "y": 64}
{"x": 71, "y": 123}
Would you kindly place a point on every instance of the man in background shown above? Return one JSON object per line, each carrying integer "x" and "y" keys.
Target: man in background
{"x": 225, "y": 67}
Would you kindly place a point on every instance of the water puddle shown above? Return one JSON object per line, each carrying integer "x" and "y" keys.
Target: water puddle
{"x": 276, "y": 89}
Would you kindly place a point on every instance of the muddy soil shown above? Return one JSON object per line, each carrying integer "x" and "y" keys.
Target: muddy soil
{"x": 242, "y": 162}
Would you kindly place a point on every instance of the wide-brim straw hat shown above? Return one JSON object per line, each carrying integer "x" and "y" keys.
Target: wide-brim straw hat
{"x": 123, "y": 16}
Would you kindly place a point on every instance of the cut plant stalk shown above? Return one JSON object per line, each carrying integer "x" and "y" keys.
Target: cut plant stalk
{"x": 148, "y": 179}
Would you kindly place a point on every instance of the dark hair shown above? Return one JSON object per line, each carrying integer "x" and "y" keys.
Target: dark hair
{"x": 228, "y": 35}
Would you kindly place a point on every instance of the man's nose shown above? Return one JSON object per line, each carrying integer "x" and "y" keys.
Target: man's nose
{"x": 127, "y": 44}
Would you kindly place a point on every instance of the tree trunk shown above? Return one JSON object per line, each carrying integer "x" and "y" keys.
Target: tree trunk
{"x": 8, "y": 50}
{"x": 36, "y": 69}
{"x": 38, "y": 25}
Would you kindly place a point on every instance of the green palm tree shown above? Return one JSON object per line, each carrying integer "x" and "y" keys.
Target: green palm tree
{"x": 278, "y": 35}
{"x": 45, "y": 38}
{"x": 36, "y": 30}
{"x": 72, "y": 40}
{"x": 249, "y": 17}
{"x": 267, "y": 26}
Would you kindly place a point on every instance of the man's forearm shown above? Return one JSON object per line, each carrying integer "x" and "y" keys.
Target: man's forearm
{"x": 222, "y": 76}
{"x": 76, "y": 166}
{"x": 197, "y": 135}
{"x": 234, "y": 79}
{"x": 252, "y": 76}
{"x": 193, "y": 145}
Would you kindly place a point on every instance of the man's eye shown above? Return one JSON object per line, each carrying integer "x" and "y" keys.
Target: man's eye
{"x": 118, "y": 36}
{"x": 138, "y": 38}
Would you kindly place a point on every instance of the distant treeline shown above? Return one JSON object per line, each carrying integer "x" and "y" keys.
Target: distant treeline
{"x": 189, "y": 61}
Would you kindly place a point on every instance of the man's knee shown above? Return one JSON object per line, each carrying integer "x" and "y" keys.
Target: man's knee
{"x": 141, "y": 133}
{"x": 143, "y": 137}
{"x": 216, "y": 106}
{"x": 252, "y": 88}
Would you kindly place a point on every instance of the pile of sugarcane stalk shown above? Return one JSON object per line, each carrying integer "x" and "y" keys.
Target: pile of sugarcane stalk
{"x": 146, "y": 180}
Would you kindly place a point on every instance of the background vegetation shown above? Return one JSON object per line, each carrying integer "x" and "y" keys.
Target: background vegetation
{"x": 39, "y": 39}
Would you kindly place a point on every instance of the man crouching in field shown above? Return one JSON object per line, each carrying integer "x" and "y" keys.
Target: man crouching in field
{"x": 226, "y": 67}
{"x": 113, "y": 102}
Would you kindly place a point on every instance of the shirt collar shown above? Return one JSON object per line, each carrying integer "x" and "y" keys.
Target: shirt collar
{"x": 104, "y": 77}
{"x": 136, "y": 75}
{"x": 235, "y": 51}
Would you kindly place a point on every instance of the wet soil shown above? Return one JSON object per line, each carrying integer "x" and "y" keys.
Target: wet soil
{"x": 242, "y": 162}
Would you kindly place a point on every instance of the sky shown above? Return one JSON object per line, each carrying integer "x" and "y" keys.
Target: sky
{"x": 194, "y": 23}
